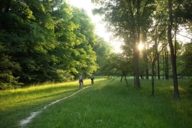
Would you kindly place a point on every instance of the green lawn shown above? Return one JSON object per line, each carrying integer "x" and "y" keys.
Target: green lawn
{"x": 108, "y": 104}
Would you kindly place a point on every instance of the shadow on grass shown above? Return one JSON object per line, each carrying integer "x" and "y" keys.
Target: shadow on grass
{"x": 110, "y": 105}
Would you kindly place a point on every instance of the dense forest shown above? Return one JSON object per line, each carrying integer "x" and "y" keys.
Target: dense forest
{"x": 43, "y": 41}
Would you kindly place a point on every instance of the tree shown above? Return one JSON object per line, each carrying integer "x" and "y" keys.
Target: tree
{"x": 125, "y": 18}
{"x": 103, "y": 52}
{"x": 172, "y": 51}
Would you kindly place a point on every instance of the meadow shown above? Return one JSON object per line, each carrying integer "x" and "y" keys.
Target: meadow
{"x": 107, "y": 104}
{"x": 17, "y": 104}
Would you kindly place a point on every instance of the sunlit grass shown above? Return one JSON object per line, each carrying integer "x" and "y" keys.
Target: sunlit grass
{"x": 17, "y": 104}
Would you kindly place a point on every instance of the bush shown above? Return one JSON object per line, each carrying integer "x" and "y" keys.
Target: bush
{"x": 7, "y": 81}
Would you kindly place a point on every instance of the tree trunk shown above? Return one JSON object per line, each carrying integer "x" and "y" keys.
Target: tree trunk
{"x": 147, "y": 72}
{"x": 121, "y": 78}
{"x": 166, "y": 59}
{"x": 136, "y": 68}
{"x": 175, "y": 43}
{"x": 173, "y": 56}
{"x": 158, "y": 66}
{"x": 163, "y": 66}
{"x": 152, "y": 78}
{"x": 146, "y": 65}
{"x": 126, "y": 80}
{"x": 155, "y": 74}
{"x": 136, "y": 39}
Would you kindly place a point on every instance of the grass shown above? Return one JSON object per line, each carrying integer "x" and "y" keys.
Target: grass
{"x": 108, "y": 104}
{"x": 17, "y": 104}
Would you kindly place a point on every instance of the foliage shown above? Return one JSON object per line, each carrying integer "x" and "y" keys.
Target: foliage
{"x": 44, "y": 41}
{"x": 187, "y": 57}
{"x": 103, "y": 53}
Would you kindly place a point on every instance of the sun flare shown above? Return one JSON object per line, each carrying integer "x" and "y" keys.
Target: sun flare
{"x": 140, "y": 46}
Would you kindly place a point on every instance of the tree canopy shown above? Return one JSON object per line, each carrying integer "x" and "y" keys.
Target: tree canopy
{"x": 44, "y": 41}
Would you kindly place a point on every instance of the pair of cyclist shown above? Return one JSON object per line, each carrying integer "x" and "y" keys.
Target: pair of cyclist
{"x": 81, "y": 80}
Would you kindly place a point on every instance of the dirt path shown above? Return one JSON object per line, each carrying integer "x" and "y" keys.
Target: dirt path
{"x": 23, "y": 123}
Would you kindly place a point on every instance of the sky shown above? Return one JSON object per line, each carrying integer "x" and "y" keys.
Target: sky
{"x": 100, "y": 27}
{"x": 184, "y": 35}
